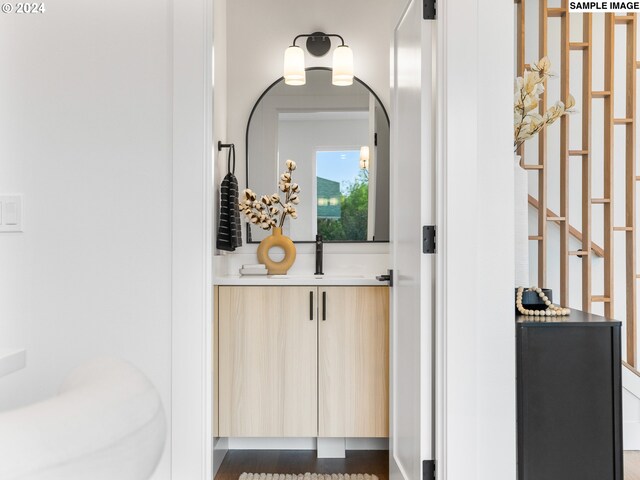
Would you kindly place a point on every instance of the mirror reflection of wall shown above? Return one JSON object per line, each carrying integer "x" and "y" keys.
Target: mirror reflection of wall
{"x": 339, "y": 138}
{"x": 327, "y": 146}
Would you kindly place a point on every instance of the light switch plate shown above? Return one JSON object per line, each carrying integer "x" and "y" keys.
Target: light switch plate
{"x": 10, "y": 213}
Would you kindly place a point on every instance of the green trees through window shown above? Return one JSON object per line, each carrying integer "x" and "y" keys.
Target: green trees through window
{"x": 349, "y": 223}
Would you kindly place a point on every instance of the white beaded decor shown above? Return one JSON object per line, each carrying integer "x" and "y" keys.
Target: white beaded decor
{"x": 551, "y": 310}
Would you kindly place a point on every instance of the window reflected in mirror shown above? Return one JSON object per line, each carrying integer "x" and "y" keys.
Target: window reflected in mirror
{"x": 342, "y": 196}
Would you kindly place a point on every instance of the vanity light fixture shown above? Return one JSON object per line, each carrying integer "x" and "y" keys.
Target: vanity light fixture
{"x": 318, "y": 44}
{"x": 364, "y": 158}
{"x": 294, "y": 72}
{"x": 342, "y": 66}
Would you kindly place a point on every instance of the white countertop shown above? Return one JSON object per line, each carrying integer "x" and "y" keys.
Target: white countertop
{"x": 12, "y": 359}
{"x": 284, "y": 280}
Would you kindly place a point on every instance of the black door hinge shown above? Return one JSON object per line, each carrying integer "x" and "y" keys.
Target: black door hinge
{"x": 429, "y": 9}
{"x": 429, "y": 239}
{"x": 375, "y": 139}
{"x": 428, "y": 470}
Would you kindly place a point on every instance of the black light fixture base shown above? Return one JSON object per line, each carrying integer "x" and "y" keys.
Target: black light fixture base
{"x": 318, "y": 44}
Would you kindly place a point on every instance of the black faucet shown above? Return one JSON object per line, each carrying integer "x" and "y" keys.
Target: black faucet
{"x": 319, "y": 255}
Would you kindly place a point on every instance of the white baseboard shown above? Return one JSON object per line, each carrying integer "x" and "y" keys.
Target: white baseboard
{"x": 331, "y": 447}
{"x": 220, "y": 448}
{"x": 394, "y": 470}
{"x": 299, "y": 443}
{"x": 258, "y": 443}
{"x": 631, "y": 382}
{"x": 221, "y": 443}
{"x": 367, "y": 444}
{"x": 630, "y": 410}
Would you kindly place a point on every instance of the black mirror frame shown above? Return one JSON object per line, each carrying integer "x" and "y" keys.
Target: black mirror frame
{"x": 246, "y": 145}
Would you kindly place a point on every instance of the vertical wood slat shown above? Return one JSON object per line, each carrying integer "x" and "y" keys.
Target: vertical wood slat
{"x": 630, "y": 190}
{"x": 564, "y": 158}
{"x": 542, "y": 157}
{"x": 609, "y": 45}
{"x": 587, "y": 56}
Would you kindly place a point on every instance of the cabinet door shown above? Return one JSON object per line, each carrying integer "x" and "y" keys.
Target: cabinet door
{"x": 353, "y": 360}
{"x": 267, "y": 362}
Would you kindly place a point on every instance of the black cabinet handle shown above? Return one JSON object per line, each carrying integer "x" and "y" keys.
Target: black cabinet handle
{"x": 311, "y": 306}
{"x": 324, "y": 306}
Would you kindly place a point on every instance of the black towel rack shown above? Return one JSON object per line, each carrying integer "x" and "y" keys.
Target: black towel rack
{"x": 224, "y": 145}
{"x": 231, "y": 155}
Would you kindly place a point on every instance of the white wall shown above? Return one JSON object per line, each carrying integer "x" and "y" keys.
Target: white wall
{"x": 477, "y": 427}
{"x": 219, "y": 133}
{"x": 495, "y": 341}
{"x": 192, "y": 292}
{"x": 85, "y": 135}
{"x": 220, "y": 100}
{"x": 258, "y": 32}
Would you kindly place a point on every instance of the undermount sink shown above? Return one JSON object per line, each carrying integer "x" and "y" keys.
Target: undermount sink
{"x": 319, "y": 277}
{"x": 300, "y": 279}
{"x": 328, "y": 277}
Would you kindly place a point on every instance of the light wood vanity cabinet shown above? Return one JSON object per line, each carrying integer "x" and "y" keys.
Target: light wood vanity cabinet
{"x": 303, "y": 361}
{"x": 267, "y": 344}
{"x": 353, "y": 362}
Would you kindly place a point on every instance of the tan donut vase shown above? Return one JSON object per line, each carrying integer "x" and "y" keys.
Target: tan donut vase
{"x": 276, "y": 239}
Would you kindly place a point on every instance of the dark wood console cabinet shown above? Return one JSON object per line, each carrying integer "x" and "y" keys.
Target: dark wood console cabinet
{"x": 569, "y": 399}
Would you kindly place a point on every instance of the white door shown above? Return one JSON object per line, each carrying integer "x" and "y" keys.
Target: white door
{"x": 412, "y": 206}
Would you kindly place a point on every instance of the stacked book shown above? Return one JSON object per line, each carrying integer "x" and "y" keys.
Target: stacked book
{"x": 258, "y": 269}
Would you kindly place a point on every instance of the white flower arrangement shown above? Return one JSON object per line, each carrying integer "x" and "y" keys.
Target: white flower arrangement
{"x": 527, "y": 121}
{"x": 271, "y": 211}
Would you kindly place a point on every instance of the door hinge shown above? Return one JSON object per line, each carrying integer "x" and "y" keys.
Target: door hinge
{"x": 375, "y": 139}
{"x": 429, "y": 9}
{"x": 428, "y": 470}
{"x": 429, "y": 239}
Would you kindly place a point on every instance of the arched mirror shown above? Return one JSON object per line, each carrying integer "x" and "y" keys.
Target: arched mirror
{"x": 339, "y": 138}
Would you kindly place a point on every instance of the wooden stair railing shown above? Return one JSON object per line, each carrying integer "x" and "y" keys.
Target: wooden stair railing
{"x": 574, "y": 232}
{"x": 619, "y": 60}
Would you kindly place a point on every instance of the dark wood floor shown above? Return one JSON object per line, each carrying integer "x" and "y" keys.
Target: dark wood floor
{"x": 301, "y": 461}
{"x": 375, "y": 462}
